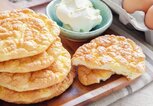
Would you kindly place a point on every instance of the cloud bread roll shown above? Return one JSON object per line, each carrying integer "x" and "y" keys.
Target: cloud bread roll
{"x": 28, "y": 64}
{"x": 32, "y": 63}
{"x": 54, "y": 74}
{"x": 36, "y": 96}
{"x": 91, "y": 76}
{"x": 24, "y": 33}
{"x": 114, "y": 53}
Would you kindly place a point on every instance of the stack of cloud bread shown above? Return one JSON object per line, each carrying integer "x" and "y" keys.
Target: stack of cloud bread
{"x": 34, "y": 66}
{"x": 107, "y": 55}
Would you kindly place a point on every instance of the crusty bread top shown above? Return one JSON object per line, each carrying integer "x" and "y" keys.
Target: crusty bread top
{"x": 115, "y": 53}
{"x": 25, "y": 33}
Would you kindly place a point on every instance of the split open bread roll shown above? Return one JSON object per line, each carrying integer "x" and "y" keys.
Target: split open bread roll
{"x": 24, "y": 33}
{"x": 117, "y": 54}
{"x": 36, "y": 96}
{"x": 54, "y": 74}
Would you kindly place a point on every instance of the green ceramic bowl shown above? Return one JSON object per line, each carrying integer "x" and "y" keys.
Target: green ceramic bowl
{"x": 80, "y": 36}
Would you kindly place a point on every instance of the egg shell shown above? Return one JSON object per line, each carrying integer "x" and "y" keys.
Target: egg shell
{"x": 149, "y": 18}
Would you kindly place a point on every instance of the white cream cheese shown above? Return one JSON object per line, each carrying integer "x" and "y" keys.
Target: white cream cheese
{"x": 78, "y": 15}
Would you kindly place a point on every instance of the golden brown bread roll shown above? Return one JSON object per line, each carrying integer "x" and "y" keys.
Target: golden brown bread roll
{"x": 113, "y": 53}
{"x": 36, "y": 96}
{"x": 28, "y": 64}
{"x": 24, "y": 33}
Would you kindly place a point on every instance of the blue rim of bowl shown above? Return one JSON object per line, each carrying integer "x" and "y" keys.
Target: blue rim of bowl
{"x": 82, "y": 33}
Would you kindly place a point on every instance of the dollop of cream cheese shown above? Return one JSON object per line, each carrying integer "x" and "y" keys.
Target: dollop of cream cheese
{"x": 78, "y": 15}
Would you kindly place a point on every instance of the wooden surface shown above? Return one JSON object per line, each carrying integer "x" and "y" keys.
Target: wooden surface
{"x": 78, "y": 94}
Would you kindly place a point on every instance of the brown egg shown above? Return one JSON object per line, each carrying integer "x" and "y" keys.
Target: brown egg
{"x": 134, "y": 5}
{"x": 149, "y": 18}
